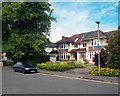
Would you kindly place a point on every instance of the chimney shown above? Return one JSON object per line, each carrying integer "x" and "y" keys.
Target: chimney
{"x": 63, "y": 37}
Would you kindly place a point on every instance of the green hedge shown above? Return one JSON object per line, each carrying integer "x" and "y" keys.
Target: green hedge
{"x": 61, "y": 66}
{"x": 55, "y": 67}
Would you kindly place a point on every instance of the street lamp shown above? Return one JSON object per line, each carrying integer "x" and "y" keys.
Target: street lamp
{"x": 98, "y": 46}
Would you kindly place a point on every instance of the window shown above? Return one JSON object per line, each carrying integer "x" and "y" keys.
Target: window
{"x": 84, "y": 44}
{"x": 95, "y": 43}
{"x": 76, "y": 39}
{"x": 91, "y": 42}
{"x": 76, "y": 46}
{"x": 63, "y": 56}
{"x": 63, "y": 46}
{"x": 91, "y": 54}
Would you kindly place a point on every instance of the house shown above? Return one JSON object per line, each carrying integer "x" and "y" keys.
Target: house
{"x": 52, "y": 50}
{"x": 80, "y": 46}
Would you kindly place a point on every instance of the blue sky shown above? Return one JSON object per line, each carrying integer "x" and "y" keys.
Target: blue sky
{"x": 78, "y": 17}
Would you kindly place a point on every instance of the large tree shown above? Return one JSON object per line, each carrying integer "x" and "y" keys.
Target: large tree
{"x": 113, "y": 49}
{"x": 25, "y": 26}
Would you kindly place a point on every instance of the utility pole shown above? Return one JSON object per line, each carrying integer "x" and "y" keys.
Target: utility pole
{"x": 98, "y": 46}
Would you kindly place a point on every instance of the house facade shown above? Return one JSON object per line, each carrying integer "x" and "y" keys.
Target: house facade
{"x": 80, "y": 47}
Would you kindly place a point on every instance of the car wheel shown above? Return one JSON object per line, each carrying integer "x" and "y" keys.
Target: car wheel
{"x": 23, "y": 71}
{"x": 36, "y": 71}
{"x": 14, "y": 70}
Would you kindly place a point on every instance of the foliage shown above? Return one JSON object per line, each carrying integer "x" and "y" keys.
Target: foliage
{"x": 49, "y": 62}
{"x": 86, "y": 61}
{"x": 68, "y": 57}
{"x": 57, "y": 62}
{"x": 25, "y": 26}
{"x": 104, "y": 72}
{"x": 113, "y": 49}
{"x": 61, "y": 66}
{"x": 57, "y": 58}
{"x": 104, "y": 60}
{"x": 55, "y": 67}
{"x": 38, "y": 59}
{"x": 7, "y": 63}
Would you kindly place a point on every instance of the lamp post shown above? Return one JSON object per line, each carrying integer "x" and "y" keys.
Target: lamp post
{"x": 98, "y": 46}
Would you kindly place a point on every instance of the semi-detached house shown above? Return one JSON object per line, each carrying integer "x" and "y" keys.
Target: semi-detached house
{"x": 79, "y": 46}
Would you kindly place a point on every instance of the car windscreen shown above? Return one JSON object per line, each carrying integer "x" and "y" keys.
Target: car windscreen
{"x": 27, "y": 64}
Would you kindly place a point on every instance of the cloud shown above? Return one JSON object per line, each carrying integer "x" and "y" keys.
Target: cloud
{"x": 74, "y": 20}
{"x": 104, "y": 10}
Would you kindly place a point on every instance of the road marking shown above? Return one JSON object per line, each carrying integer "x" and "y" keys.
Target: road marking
{"x": 78, "y": 78}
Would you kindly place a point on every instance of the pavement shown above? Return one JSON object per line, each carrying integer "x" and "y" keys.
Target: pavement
{"x": 82, "y": 73}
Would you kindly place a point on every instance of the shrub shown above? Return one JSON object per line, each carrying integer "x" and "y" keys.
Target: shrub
{"x": 7, "y": 63}
{"x": 104, "y": 71}
{"x": 57, "y": 62}
{"x": 57, "y": 58}
{"x": 63, "y": 63}
{"x": 104, "y": 61}
{"x": 49, "y": 62}
{"x": 86, "y": 61}
{"x": 55, "y": 67}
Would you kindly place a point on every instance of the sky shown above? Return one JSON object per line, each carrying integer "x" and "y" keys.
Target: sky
{"x": 79, "y": 17}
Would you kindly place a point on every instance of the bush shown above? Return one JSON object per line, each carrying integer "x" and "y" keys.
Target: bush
{"x": 49, "y": 62}
{"x": 57, "y": 58}
{"x": 104, "y": 72}
{"x": 60, "y": 66}
{"x": 55, "y": 67}
{"x": 104, "y": 61}
{"x": 6, "y": 63}
{"x": 86, "y": 61}
{"x": 57, "y": 62}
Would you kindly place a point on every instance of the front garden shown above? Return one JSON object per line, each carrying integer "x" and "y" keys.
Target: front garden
{"x": 61, "y": 66}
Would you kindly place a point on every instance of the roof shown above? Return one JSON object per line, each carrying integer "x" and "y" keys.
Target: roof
{"x": 94, "y": 34}
{"x": 80, "y": 38}
{"x": 54, "y": 52}
{"x": 51, "y": 45}
{"x": 109, "y": 33}
{"x": 73, "y": 39}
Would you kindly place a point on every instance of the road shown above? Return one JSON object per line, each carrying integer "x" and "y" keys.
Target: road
{"x": 38, "y": 83}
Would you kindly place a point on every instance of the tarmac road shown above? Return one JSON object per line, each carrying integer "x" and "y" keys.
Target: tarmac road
{"x": 38, "y": 83}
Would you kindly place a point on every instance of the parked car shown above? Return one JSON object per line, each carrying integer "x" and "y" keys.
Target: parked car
{"x": 24, "y": 67}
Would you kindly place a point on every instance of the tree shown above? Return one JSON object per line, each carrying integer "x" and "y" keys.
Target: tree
{"x": 104, "y": 60}
{"x": 113, "y": 49}
{"x": 111, "y": 55}
{"x": 25, "y": 26}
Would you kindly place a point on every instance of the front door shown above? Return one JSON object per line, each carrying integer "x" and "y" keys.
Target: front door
{"x": 83, "y": 56}
{"x": 75, "y": 55}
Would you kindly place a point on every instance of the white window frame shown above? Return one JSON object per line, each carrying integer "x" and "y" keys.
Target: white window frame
{"x": 63, "y": 56}
{"x": 75, "y": 46}
{"x": 85, "y": 45}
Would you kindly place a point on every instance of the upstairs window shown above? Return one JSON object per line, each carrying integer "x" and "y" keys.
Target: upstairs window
{"x": 76, "y": 39}
{"x": 76, "y": 46}
{"x": 84, "y": 44}
{"x": 63, "y": 46}
{"x": 91, "y": 42}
